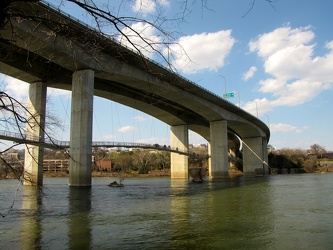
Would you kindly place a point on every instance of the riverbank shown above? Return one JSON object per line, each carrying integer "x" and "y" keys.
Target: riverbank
{"x": 154, "y": 173}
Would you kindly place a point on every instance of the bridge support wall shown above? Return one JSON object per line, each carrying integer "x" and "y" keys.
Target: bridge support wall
{"x": 33, "y": 161}
{"x": 81, "y": 128}
{"x": 265, "y": 156}
{"x": 218, "y": 150}
{"x": 254, "y": 149}
{"x": 179, "y": 163}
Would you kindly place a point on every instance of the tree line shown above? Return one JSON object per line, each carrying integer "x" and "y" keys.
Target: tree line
{"x": 145, "y": 161}
{"x": 299, "y": 159}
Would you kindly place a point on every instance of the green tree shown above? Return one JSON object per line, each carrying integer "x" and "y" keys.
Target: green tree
{"x": 122, "y": 162}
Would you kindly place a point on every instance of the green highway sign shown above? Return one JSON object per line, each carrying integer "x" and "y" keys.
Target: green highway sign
{"x": 227, "y": 95}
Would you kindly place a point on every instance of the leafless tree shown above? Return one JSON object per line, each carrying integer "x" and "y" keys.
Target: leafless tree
{"x": 253, "y": 3}
{"x": 163, "y": 159}
{"x": 13, "y": 116}
{"x": 142, "y": 160}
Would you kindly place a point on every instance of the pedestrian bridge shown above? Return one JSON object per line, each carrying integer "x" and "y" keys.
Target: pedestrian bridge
{"x": 57, "y": 144}
{"x": 47, "y": 48}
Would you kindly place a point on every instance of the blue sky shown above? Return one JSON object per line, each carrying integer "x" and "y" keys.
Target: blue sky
{"x": 278, "y": 61}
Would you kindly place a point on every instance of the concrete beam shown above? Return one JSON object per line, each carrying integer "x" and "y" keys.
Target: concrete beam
{"x": 81, "y": 128}
{"x": 253, "y": 156}
{"x": 35, "y": 127}
{"x": 179, "y": 163}
{"x": 218, "y": 150}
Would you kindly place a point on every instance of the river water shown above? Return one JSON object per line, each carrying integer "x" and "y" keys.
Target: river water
{"x": 272, "y": 212}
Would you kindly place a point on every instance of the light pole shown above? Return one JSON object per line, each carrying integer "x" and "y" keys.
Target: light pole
{"x": 268, "y": 120}
{"x": 238, "y": 94}
{"x": 256, "y": 106}
{"x": 225, "y": 84}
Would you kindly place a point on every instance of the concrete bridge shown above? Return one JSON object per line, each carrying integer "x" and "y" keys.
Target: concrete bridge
{"x": 50, "y": 49}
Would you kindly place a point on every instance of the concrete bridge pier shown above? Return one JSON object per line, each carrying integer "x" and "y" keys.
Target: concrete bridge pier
{"x": 35, "y": 127}
{"x": 265, "y": 158}
{"x": 256, "y": 148}
{"x": 218, "y": 150}
{"x": 81, "y": 128}
{"x": 179, "y": 163}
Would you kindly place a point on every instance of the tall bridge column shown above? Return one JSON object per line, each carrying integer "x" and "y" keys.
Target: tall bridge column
{"x": 254, "y": 155}
{"x": 218, "y": 150}
{"x": 81, "y": 128}
{"x": 179, "y": 163}
{"x": 33, "y": 160}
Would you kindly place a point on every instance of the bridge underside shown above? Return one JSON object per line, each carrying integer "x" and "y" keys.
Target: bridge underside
{"x": 55, "y": 50}
{"x": 154, "y": 104}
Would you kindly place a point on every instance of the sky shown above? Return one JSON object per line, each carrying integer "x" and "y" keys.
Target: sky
{"x": 277, "y": 60}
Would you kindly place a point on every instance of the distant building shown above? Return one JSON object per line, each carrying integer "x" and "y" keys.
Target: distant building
{"x": 270, "y": 148}
{"x": 198, "y": 146}
{"x": 103, "y": 165}
{"x": 328, "y": 155}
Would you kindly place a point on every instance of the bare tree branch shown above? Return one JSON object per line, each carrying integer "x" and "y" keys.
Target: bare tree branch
{"x": 253, "y": 3}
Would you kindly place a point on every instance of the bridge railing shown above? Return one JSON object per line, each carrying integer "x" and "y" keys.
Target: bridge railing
{"x": 9, "y": 134}
{"x": 53, "y": 143}
{"x": 20, "y": 136}
{"x": 23, "y": 137}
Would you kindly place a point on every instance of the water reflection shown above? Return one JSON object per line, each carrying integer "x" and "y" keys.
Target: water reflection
{"x": 180, "y": 213}
{"x": 233, "y": 213}
{"x": 79, "y": 224}
{"x": 244, "y": 213}
{"x": 45, "y": 224}
{"x": 31, "y": 229}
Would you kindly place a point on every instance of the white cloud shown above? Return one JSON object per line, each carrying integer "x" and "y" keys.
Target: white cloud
{"x": 141, "y": 35}
{"x": 19, "y": 89}
{"x": 148, "y": 6}
{"x": 258, "y": 106}
{"x": 16, "y": 88}
{"x": 250, "y": 73}
{"x": 269, "y": 43}
{"x": 288, "y": 55}
{"x": 205, "y": 51}
{"x": 281, "y": 127}
{"x": 126, "y": 129}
